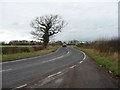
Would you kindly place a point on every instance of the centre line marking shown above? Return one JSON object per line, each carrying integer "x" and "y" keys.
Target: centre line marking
{"x": 54, "y": 74}
{"x": 81, "y": 61}
{"x": 5, "y": 70}
{"x": 21, "y": 86}
{"x": 73, "y": 66}
{"x": 55, "y": 58}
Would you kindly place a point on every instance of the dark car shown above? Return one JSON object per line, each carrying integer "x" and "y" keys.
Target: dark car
{"x": 64, "y": 45}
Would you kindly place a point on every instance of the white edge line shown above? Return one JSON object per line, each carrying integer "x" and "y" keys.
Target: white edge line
{"x": 84, "y": 55}
{"x": 82, "y": 52}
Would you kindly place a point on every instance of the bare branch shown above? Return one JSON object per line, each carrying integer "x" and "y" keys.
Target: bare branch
{"x": 49, "y": 25}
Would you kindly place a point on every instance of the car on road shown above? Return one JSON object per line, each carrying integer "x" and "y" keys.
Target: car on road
{"x": 64, "y": 45}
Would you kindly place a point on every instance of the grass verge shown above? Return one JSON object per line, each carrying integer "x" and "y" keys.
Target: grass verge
{"x": 108, "y": 61}
{"x": 16, "y": 56}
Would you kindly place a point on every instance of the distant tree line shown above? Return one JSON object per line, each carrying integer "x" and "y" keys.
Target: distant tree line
{"x": 73, "y": 42}
{"x": 25, "y": 42}
{"x": 21, "y": 42}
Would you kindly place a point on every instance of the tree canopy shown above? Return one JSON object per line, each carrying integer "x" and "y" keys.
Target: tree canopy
{"x": 46, "y": 26}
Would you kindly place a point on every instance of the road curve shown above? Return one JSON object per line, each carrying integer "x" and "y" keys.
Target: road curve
{"x": 19, "y": 72}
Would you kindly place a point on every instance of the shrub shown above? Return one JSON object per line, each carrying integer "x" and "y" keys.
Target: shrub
{"x": 112, "y": 45}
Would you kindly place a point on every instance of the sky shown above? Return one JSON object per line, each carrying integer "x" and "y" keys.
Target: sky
{"x": 87, "y": 20}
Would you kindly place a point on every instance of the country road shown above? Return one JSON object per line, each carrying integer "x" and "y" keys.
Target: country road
{"x": 66, "y": 68}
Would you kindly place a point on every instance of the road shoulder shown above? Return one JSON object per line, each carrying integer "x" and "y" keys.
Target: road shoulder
{"x": 89, "y": 74}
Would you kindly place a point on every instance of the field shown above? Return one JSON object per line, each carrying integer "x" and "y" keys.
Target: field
{"x": 19, "y": 52}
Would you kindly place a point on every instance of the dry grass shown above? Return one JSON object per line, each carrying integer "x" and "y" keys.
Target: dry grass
{"x": 105, "y": 52}
{"x": 103, "y": 45}
{"x": 109, "y": 61}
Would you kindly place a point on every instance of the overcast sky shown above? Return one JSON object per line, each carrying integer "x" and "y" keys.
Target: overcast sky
{"x": 86, "y": 20}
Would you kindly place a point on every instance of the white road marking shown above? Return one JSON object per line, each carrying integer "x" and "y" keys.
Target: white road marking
{"x": 54, "y": 74}
{"x": 81, "y": 61}
{"x": 43, "y": 61}
{"x": 84, "y": 55}
{"x": 21, "y": 86}
{"x": 49, "y": 78}
{"x": 55, "y": 58}
{"x": 73, "y": 66}
{"x": 5, "y": 70}
{"x": 68, "y": 52}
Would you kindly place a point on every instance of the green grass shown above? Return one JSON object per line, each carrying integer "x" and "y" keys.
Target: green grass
{"x": 103, "y": 59}
{"x": 16, "y": 56}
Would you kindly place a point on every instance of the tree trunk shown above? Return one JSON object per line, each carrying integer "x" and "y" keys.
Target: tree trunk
{"x": 46, "y": 40}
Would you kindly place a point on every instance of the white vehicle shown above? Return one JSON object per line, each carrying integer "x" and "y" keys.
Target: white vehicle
{"x": 64, "y": 45}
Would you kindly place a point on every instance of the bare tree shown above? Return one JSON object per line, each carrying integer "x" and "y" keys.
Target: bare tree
{"x": 46, "y": 27}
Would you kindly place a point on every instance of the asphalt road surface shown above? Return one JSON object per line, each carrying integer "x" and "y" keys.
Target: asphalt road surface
{"x": 64, "y": 68}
